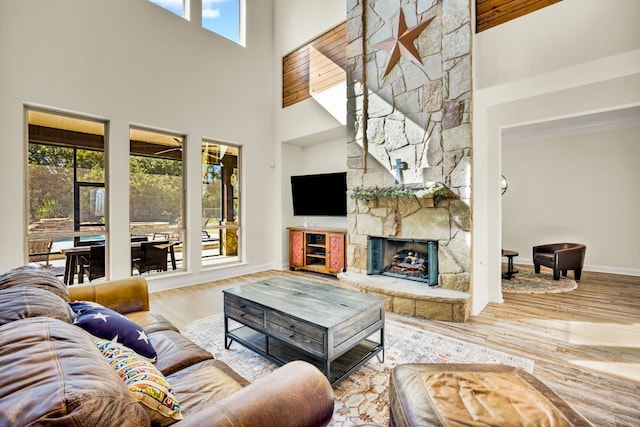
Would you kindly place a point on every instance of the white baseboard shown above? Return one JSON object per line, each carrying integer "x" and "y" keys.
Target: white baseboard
{"x": 183, "y": 279}
{"x": 588, "y": 267}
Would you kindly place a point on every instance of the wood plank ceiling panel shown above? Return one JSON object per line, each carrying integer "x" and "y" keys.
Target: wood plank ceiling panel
{"x": 490, "y": 13}
{"x": 331, "y": 49}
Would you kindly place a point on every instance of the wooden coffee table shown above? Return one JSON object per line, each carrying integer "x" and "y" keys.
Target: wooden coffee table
{"x": 285, "y": 319}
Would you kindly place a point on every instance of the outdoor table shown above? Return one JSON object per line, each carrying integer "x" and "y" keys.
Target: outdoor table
{"x": 75, "y": 255}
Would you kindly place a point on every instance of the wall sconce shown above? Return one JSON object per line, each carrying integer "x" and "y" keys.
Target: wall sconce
{"x": 504, "y": 184}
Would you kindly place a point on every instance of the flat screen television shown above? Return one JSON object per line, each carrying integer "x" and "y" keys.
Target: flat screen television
{"x": 319, "y": 194}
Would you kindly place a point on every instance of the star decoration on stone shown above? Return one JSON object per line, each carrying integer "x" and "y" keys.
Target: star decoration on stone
{"x": 401, "y": 45}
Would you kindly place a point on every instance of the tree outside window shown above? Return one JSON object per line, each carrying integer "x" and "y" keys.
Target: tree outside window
{"x": 220, "y": 202}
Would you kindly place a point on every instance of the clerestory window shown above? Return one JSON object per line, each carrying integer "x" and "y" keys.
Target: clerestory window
{"x": 223, "y": 17}
{"x": 174, "y": 6}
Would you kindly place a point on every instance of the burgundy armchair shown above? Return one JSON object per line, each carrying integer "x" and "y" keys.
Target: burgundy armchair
{"x": 560, "y": 257}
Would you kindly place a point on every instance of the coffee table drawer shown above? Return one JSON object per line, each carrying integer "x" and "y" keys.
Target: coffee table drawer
{"x": 350, "y": 329}
{"x": 243, "y": 311}
{"x": 303, "y": 335}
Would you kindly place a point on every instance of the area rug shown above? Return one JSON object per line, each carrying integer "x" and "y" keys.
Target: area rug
{"x": 362, "y": 397}
{"x": 528, "y": 282}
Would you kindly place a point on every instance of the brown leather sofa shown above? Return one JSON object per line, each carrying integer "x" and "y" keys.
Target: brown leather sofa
{"x": 54, "y": 374}
{"x": 456, "y": 394}
{"x": 560, "y": 257}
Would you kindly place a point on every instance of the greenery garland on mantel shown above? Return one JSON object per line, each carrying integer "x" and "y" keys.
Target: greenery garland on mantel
{"x": 436, "y": 190}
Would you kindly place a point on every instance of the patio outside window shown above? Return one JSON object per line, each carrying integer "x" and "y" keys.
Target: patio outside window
{"x": 156, "y": 201}
{"x": 66, "y": 189}
{"x": 220, "y": 203}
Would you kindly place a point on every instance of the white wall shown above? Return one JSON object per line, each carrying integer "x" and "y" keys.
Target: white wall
{"x": 324, "y": 157}
{"x": 129, "y": 61}
{"x": 308, "y": 138}
{"x": 562, "y": 35}
{"x": 578, "y": 188}
{"x": 327, "y": 157}
{"x": 296, "y": 23}
{"x": 590, "y": 64}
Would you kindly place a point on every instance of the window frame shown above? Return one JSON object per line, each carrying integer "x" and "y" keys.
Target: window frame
{"x": 74, "y": 123}
{"x": 153, "y": 231}
{"x": 241, "y": 30}
{"x": 185, "y": 8}
{"x": 222, "y": 228}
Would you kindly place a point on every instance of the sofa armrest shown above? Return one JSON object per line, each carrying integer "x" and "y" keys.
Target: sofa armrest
{"x": 297, "y": 394}
{"x": 124, "y": 295}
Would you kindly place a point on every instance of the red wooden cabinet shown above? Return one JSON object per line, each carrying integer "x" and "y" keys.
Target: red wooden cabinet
{"x": 321, "y": 250}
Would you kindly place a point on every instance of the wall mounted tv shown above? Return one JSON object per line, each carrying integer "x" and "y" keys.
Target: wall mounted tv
{"x": 320, "y": 194}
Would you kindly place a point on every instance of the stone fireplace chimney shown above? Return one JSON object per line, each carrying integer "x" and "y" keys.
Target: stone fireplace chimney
{"x": 409, "y": 125}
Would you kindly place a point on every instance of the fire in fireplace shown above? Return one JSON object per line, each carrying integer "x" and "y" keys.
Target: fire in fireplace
{"x": 410, "y": 259}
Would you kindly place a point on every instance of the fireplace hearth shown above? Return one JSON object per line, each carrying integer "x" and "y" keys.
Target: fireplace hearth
{"x": 409, "y": 259}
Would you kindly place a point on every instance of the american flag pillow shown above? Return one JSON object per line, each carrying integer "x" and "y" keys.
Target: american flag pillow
{"x": 108, "y": 324}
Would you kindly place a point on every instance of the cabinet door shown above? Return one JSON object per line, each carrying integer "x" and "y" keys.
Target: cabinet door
{"x": 335, "y": 249}
{"x": 296, "y": 249}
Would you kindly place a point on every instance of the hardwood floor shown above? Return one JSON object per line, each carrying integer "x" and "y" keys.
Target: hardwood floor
{"x": 585, "y": 343}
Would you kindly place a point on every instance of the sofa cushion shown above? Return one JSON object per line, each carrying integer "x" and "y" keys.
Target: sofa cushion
{"x": 201, "y": 385}
{"x": 144, "y": 381}
{"x": 175, "y": 351}
{"x": 111, "y": 325}
{"x": 151, "y": 322}
{"x": 22, "y": 302}
{"x": 34, "y": 277}
{"x": 54, "y": 374}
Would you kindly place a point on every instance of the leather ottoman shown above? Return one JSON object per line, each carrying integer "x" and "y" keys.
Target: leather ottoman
{"x": 447, "y": 394}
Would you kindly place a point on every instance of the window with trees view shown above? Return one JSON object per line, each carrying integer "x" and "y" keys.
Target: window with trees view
{"x": 220, "y": 203}
{"x": 66, "y": 186}
{"x": 156, "y": 199}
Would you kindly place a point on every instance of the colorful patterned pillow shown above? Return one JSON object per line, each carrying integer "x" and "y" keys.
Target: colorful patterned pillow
{"x": 103, "y": 322}
{"x": 144, "y": 381}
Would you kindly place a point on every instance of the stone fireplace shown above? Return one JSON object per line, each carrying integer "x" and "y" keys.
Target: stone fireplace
{"x": 409, "y": 259}
{"x": 409, "y": 134}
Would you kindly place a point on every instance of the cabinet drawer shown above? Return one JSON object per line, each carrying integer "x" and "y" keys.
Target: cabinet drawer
{"x": 302, "y": 335}
{"x": 245, "y": 312}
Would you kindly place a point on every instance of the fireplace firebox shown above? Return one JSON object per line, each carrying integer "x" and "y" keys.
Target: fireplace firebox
{"x": 410, "y": 259}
